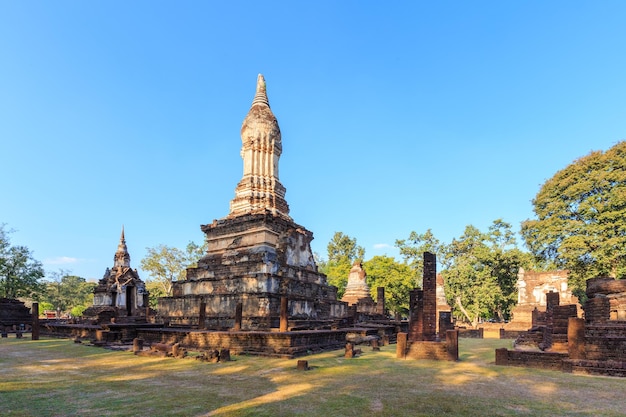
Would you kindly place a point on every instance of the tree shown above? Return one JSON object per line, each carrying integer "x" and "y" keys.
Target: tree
{"x": 342, "y": 252}
{"x": 167, "y": 264}
{"x": 397, "y": 279}
{"x": 19, "y": 271}
{"x": 413, "y": 248}
{"x": 481, "y": 272}
{"x": 581, "y": 218}
{"x": 68, "y": 293}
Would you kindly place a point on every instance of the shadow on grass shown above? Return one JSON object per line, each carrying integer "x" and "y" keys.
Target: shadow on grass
{"x": 56, "y": 377}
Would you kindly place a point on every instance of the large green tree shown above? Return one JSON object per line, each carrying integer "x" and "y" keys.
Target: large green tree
{"x": 413, "y": 248}
{"x": 397, "y": 278}
{"x": 342, "y": 252}
{"x": 166, "y": 264}
{"x": 481, "y": 272}
{"x": 581, "y": 218}
{"x": 68, "y": 293}
{"x": 20, "y": 273}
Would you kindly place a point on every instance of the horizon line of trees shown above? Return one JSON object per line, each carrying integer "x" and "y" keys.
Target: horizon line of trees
{"x": 580, "y": 226}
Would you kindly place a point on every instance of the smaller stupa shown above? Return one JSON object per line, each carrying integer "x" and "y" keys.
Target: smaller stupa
{"x": 120, "y": 292}
{"x": 357, "y": 291}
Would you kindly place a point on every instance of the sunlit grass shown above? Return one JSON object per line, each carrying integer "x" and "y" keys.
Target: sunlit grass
{"x": 53, "y": 377}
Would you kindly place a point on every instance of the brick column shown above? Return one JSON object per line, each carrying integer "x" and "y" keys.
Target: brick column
{"x": 401, "y": 343}
{"x": 576, "y": 338}
{"x": 416, "y": 307}
{"x": 284, "y": 313}
{"x": 238, "y": 316}
{"x": 445, "y": 323}
{"x": 202, "y": 314}
{"x": 429, "y": 329}
{"x": 35, "y": 325}
{"x": 552, "y": 300}
{"x": 452, "y": 344}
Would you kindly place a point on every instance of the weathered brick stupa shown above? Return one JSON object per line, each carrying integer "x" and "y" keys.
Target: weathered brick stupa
{"x": 357, "y": 291}
{"x": 120, "y": 292}
{"x": 256, "y": 254}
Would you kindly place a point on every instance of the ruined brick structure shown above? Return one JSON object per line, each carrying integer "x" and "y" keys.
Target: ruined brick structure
{"x": 422, "y": 340}
{"x": 14, "y": 315}
{"x": 593, "y": 345}
{"x": 532, "y": 289}
{"x": 358, "y": 292}
{"x": 257, "y": 254}
{"x": 120, "y": 293}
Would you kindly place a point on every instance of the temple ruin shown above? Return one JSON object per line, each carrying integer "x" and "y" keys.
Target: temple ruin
{"x": 120, "y": 293}
{"x": 533, "y": 288}
{"x": 423, "y": 340}
{"x": 593, "y": 345}
{"x": 357, "y": 292}
{"x": 257, "y": 255}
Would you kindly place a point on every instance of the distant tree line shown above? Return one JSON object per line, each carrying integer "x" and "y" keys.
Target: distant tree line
{"x": 580, "y": 226}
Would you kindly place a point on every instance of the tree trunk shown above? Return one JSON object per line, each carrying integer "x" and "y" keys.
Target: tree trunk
{"x": 463, "y": 310}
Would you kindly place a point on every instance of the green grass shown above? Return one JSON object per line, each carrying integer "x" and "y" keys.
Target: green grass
{"x": 55, "y": 377}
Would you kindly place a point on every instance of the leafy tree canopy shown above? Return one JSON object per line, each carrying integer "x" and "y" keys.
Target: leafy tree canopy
{"x": 66, "y": 292}
{"x": 19, "y": 271}
{"x": 342, "y": 252}
{"x": 413, "y": 248}
{"x": 167, "y": 264}
{"x": 581, "y": 218}
{"x": 397, "y": 278}
{"x": 481, "y": 272}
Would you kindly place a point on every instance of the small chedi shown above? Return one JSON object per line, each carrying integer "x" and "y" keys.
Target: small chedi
{"x": 257, "y": 255}
{"x": 357, "y": 292}
{"x": 533, "y": 288}
{"x": 120, "y": 293}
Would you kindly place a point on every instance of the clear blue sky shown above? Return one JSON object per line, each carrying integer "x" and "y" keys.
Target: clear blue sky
{"x": 395, "y": 116}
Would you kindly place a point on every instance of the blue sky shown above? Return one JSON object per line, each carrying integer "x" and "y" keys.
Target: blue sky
{"x": 395, "y": 116}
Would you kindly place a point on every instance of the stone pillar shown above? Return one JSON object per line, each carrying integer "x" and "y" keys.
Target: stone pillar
{"x": 238, "y": 316}
{"x": 284, "y": 313}
{"x": 452, "y": 344}
{"x": 552, "y": 300}
{"x": 380, "y": 300}
{"x": 35, "y": 315}
{"x": 137, "y": 345}
{"x": 349, "y": 351}
{"x": 416, "y": 315}
{"x": 224, "y": 355}
{"x": 401, "y": 343}
{"x": 429, "y": 327}
{"x": 445, "y": 323}
{"x": 576, "y": 338}
{"x": 202, "y": 314}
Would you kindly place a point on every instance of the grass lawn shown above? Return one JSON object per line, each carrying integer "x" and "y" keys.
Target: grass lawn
{"x": 56, "y": 377}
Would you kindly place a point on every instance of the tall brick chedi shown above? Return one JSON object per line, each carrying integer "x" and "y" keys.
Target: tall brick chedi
{"x": 256, "y": 254}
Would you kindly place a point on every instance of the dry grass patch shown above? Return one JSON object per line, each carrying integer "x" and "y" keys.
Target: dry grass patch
{"x": 55, "y": 377}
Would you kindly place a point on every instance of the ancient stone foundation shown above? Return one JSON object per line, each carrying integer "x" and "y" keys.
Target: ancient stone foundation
{"x": 595, "y": 345}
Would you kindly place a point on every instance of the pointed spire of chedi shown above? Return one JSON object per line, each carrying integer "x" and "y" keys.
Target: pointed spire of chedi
{"x": 122, "y": 257}
{"x": 260, "y": 190}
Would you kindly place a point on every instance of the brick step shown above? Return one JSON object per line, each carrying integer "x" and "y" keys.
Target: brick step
{"x": 595, "y": 367}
